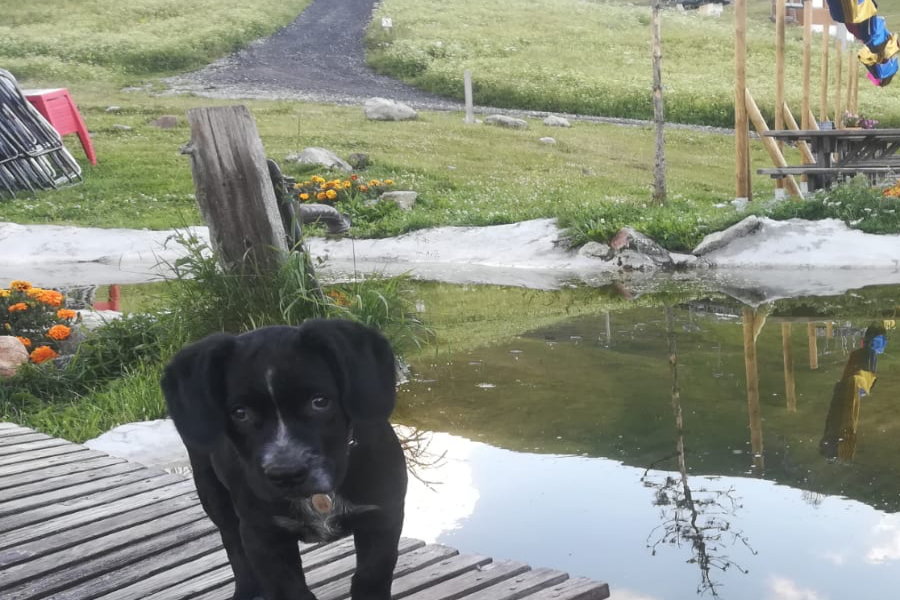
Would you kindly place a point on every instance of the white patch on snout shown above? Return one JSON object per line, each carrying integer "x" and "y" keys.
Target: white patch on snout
{"x": 282, "y": 438}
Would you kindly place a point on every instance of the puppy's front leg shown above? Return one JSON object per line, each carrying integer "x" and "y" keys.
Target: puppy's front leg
{"x": 376, "y": 557}
{"x": 275, "y": 558}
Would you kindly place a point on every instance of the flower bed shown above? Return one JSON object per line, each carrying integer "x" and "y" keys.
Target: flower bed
{"x": 319, "y": 189}
{"x": 37, "y": 318}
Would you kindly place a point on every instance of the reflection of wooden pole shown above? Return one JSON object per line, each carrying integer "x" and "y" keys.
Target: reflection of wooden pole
{"x": 813, "y": 346}
{"x": 608, "y": 330}
{"x": 787, "y": 347}
{"x": 741, "y": 120}
{"x": 753, "y": 323}
{"x": 823, "y": 100}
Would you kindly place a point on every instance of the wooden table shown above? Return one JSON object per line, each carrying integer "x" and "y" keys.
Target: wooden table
{"x": 841, "y": 153}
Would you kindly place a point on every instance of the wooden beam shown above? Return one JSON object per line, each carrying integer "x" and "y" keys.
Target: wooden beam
{"x": 805, "y": 153}
{"x": 787, "y": 348}
{"x": 813, "y": 346}
{"x": 838, "y": 63}
{"x": 779, "y": 76}
{"x": 823, "y": 99}
{"x": 741, "y": 119}
{"x": 771, "y": 147}
{"x": 807, "y": 62}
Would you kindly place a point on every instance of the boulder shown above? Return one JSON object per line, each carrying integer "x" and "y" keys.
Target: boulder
{"x": 12, "y": 354}
{"x": 405, "y": 200}
{"x": 720, "y": 239}
{"x": 358, "y": 160}
{"x": 382, "y": 109}
{"x": 594, "y": 250}
{"x": 632, "y": 260}
{"x": 683, "y": 261}
{"x": 554, "y": 121}
{"x": 628, "y": 238}
{"x": 319, "y": 156}
{"x": 504, "y": 121}
{"x": 549, "y": 141}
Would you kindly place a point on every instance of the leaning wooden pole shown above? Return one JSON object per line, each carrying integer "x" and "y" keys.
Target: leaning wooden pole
{"x": 779, "y": 80}
{"x": 233, "y": 188}
{"x": 771, "y": 147}
{"x": 791, "y": 123}
{"x": 741, "y": 119}
{"x": 823, "y": 99}
{"x": 787, "y": 348}
{"x": 659, "y": 119}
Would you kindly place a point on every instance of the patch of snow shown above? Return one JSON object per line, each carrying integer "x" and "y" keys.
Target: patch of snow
{"x": 150, "y": 443}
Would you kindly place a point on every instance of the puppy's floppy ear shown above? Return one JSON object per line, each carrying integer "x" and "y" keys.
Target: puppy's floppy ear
{"x": 362, "y": 360}
{"x": 193, "y": 384}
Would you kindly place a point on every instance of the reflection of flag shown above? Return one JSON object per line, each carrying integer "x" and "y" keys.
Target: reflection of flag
{"x": 839, "y": 439}
{"x": 880, "y": 54}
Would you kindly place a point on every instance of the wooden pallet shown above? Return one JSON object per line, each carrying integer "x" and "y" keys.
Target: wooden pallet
{"x": 76, "y": 524}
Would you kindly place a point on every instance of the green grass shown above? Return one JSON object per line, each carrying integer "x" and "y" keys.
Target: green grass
{"x": 593, "y": 57}
{"x": 66, "y": 40}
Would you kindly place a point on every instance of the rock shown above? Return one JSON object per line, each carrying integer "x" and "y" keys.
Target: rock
{"x": 548, "y": 141}
{"x": 684, "y": 261}
{"x": 554, "y": 121}
{"x": 720, "y": 239}
{"x": 382, "y": 109}
{"x": 113, "y": 109}
{"x": 119, "y": 127}
{"x": 504, "y": 121}
{"x": 632, "y": 260}
{"x": 12, "y": 354}
{"x": 594, "y": 250}
{"x": 405, "y": 200}
{"x": 628, "y": 238}
{"x": 165, "y": 122}
{"x": 359, "y": 160}
{"x": 319, "y": 156}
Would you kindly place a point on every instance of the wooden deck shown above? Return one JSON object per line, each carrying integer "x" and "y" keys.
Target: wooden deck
{"x": 76, "y": 524}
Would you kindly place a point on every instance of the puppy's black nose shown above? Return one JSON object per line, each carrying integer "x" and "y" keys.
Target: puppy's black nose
{"x": 287, "y": 475}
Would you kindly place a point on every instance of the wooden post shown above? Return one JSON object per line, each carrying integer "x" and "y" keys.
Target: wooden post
{"x": 779, "y": 81}
{"x": 805, "y": 152}
{"x": 854, "y": 77}
{"x": 829, "y": 330}
{"x": 659, "y": 165}
{"x": 233, "y": 187}
{"x": 470, "y": 106}
{"x": 771, "y": 147}
{"x": 813, "y": 346}
{"x": 753, "y": 322}
{"x": 838, "y": 63}
{"x": 823, "y": 100}
{"x": 787, "y": 348}
{"x": 807, "y": 62}
{"x": 741, "y": 119}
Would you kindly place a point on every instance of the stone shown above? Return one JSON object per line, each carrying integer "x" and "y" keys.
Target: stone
{"x": 120, "y": 127}
{"x": 554, "y": 121}
{"x": 684, "y": 261}
{"x": 404, "y": 199}
{"x": 594, "y": 250}
{"x": 12, "y": 354}
{"x": 549, "y": 141}
{"x": 382, "y": 109}
{"x": 358, "y": 160}
{"x": 632, "y": 260}
{"x": 504, "y": 121}
{"x": 165, "y": 122}
{"x": 319, "y": 156}
{"x": 113, "y": 109}
{"x": 628, "y": 238}
{"x": 720, "y": 239}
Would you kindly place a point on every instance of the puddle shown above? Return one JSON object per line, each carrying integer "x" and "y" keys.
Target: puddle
{"x": 565, "y": 449}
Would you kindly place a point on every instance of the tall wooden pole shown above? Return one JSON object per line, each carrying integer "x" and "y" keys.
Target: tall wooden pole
{"x": 823, "y": 100}
{"x": 779, "y": 79}
{"x": 813, "y": 346}
{"x": 854, "y": 77}
{"x": 741, "y": 120}
{"x": 753, "y": 322}
{"x": 659, "y": 166}
{"x": 838, "y": 63}
{"x": 787, "y": 348}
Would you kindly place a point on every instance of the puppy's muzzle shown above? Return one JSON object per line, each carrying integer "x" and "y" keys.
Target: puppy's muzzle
{"x": 286, "y": 475}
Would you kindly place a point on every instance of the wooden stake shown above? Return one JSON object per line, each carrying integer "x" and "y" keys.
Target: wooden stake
{"x": 467, "y": 89}
{"x": 787, "y": 348}
{"x": 752, "y": 325}
{"x": 741, "y": 120}
{"x": 807, "y": 63}
{"x": 805, "y": 152}
{"x": 779, "y": 76}
{"x": 854, "y": 77}
{"x": 813, "y": 346}
{"x": 659, "y": 165}
{"x": 823, "y": 100}
{"x": 771, "y": 147}
{"x": 829, "y": 330}
{"x": 838, "y": 63}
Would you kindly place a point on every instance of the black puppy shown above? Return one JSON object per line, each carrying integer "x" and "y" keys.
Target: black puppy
{"x": 288, "y": 436}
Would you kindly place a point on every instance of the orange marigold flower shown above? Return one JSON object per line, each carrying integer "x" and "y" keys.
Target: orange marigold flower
{"x": 59, "y": 332}
{"x": 25, "y": 341}
{"x": 364, "y": 188}
{"x": 18, "y": 307}
{"x": 388, "y": 182}
{"x": 34, "y": 292}
{"x": 321, "y": 196}
{"x": 19, "y": 285}
{"x": 331, "y": 194}
{"x": 304, "y": 197}
{"x": 348, "y": 183}
{"x": 42, "y": 353}
{"x": 339, "y": 298}
{"x": 66, "y": 313}
{"x": 51, "y": 298}
{"x": 374, "y": 183}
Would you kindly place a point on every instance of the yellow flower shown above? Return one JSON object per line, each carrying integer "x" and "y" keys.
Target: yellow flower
{"x": 25, "y": 341}
{"x": 59, "y": 332}
{"x": 304, "y": 197}
{"x": 34, "y": 292}
{"x": 4, "y": 293}
{"x": 66, "y": 313}
{"x": 388, "y": 182}
{"x": 18, "y": 285}
{"x": 347, "y": 184}
{"x": 320, "y": 196}
{"x": 331, "y": 194}
{"x": 374, "y": 183}
{"x": 42, "y": 353}
{"x": 297, "y": 186}
{"x": 318, "y": 179}
{"x": 364, "y": 188}
{"x": 18, "y": 307}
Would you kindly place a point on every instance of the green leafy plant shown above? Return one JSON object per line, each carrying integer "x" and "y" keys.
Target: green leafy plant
{"x": 37, "y": 318}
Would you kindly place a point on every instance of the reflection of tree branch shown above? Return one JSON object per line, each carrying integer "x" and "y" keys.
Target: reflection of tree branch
{"x": 696, "y": 517}
{"x": 415, "y": 444}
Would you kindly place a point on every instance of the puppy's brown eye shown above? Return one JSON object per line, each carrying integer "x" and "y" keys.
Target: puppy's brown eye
{"x": 240, "y": 413}
{"x": 320, "y": 403}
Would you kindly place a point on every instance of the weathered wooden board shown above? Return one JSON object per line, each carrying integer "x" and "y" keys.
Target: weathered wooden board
{"x": 70, "y": 480}
{"x": 51, "y": 472}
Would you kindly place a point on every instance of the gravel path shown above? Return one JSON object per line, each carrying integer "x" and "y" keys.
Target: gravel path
{"x": 320, "y": 57}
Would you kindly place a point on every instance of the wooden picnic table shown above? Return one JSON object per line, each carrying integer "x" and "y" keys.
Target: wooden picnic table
{"x": 841, "y": 153}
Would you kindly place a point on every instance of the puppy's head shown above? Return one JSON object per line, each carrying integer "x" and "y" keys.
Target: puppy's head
{"x": 285, "y": 398}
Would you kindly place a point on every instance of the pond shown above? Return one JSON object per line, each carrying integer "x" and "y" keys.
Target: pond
{"x": 563, "y": 447}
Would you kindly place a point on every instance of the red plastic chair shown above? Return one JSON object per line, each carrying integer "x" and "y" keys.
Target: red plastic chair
{"x": 57, "y": 106}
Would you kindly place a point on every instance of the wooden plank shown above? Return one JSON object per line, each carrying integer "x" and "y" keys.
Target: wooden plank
{"x": 473, "y": 581}
{"x": 35, "y": 455}
{"x": 27, "y": 436}
{"x": 84, "y": 533}
{"x": 521, "y": 586}
{"x": 223, "y": 592}
{"x": 54, "y": 525}
{"x": 52, "y": 461}
{"x": 446, "y": 569}
{"x": 52, "y": 472}
{"x": 117, "y": 572}
{"x": 169, "y": 578}
{"x": 419, "y": 558}
{"x": 14, "y": 433}
{"x": 578, "y": 588}
{"x": 21, "y": 445}
{"x": 127, "y": 490}
{"x": 66, "y": 481}
{"x": 73, "y": 560}
{"x": 330, "y": 571}
{"x": 74, "y": 493}
{"x": 769, "y": 144}
{"x": 7, "y": 425}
